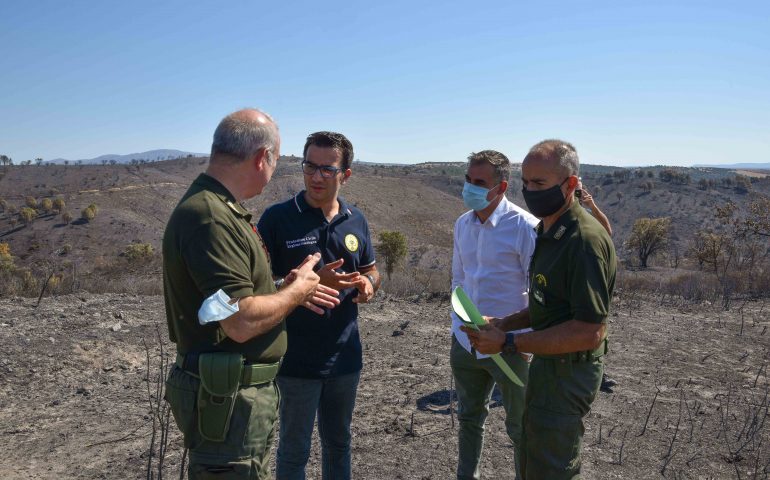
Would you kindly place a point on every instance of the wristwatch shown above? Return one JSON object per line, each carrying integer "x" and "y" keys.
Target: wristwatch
{"x": 510, "y": 345}
{"x": 371, "y": 279}
{"x": 279, "y": 283}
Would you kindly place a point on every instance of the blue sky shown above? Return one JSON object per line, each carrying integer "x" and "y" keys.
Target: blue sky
{"x": 629, "y": 83}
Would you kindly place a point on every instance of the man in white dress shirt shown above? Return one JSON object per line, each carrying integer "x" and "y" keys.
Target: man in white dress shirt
{"x": 493, "y": 244}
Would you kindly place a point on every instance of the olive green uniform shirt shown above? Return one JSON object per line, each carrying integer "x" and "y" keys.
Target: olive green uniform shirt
{"x": 211, "y": 244}
{"x": 572, "y": 273}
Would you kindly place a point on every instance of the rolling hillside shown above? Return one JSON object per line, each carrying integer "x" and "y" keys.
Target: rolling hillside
{"x": 422, "y": 201}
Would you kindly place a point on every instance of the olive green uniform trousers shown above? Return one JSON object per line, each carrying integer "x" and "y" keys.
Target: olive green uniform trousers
{"x": 559, "y": 394}
{"x": 475, "y": 380}
{"x": 245, "y": 453}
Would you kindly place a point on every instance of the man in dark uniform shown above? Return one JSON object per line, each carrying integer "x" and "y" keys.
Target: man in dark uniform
{"x": 572, "y": 276}
{"x": 323, "y": 362}
{"x": 221, "y": 390}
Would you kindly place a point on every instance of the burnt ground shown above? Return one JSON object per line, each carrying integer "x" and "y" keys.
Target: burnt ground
{"x": 692, "y": 400}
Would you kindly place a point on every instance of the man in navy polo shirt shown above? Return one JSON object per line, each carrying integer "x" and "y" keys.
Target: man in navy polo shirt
{"x": 322, "y": 365}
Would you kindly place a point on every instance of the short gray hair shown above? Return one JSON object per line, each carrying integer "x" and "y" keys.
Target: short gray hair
{"x": 499, "y": 161}
{"x": 238, "y": 136}
{"x": 554, "y": 149}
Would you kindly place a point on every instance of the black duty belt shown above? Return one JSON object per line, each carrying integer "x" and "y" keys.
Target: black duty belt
{"x": 252, "y": 374}
{"x": 582, "y": 356}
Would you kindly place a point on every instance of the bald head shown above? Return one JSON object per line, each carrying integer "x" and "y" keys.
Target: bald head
{"x": 242, "y": 134}
{"x": 251, "y": 115}
{"x": 559, "y": 154}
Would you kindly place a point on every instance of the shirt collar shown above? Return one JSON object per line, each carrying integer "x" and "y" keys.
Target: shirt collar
{"x": 211, "y": 184}
{"x": 344, "y": 209}
{"x": 563, "y": 224}
{"x": 499, "y": 211}
{"x": 300, "y": 202}
{"x": 494, "y": 218}
{"x": 302, "y": 206}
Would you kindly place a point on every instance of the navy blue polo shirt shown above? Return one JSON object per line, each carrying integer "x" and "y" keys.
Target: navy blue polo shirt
{"x": 328, "y": 345}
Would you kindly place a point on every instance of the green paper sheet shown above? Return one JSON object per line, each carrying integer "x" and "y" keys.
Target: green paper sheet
{"x": 469, "y": 314}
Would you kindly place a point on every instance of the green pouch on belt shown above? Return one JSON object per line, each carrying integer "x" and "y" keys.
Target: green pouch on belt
{"x": 220, "y": 375}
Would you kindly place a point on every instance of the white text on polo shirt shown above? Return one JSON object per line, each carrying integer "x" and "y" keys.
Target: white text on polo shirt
{"x": 301, "y": 241}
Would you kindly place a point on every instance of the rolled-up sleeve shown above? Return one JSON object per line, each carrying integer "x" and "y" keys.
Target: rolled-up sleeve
{"x": 589, "y": 288}
{"x": 367, "y": 252}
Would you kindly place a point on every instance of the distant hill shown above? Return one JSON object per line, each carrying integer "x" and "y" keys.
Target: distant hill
{"x": 422, "y": 201}
{"x": 747, "y": 166}
{"x": 150, "y": 156}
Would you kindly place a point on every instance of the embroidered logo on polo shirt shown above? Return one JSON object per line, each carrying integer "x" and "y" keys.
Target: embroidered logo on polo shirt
{"x": 559, "y": 232}
{"x": 351, "y": 242}
{"x": 298, "y": 242}
{"x": 540, "y": 279}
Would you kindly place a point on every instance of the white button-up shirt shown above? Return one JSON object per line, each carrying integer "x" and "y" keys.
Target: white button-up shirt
{"x": 491, "y": 262}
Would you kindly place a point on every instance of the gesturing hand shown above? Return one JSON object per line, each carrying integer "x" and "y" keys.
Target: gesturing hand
{"x": 365, "y": 290}
{"x": 323, "y": 296}
{"x": 336, "y": 280}
{"x": 316, "y": 296}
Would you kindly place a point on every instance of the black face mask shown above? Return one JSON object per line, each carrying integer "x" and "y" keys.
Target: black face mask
{"x": 543, "y": 203}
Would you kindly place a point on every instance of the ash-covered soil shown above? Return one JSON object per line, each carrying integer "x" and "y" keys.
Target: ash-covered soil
{"x": 691, "y": 401}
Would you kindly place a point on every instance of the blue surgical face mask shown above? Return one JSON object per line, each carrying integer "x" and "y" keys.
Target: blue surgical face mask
{"x": 475, "y": 197}
{"x": 216, "y": 308}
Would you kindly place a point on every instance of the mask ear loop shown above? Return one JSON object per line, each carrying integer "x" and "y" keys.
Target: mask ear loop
{"x": 568, "y": 187}
{"x": 494, "y": 187}
{"x": 506, "y": 186}
{"x": 488, "y": 191}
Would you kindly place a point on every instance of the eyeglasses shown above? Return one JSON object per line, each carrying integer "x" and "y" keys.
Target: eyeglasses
{"x": 309, "y": 169}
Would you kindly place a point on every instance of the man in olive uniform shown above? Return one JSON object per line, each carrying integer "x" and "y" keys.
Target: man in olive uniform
{"x": 572, "y": 275}
{"x": 221, "y": 390}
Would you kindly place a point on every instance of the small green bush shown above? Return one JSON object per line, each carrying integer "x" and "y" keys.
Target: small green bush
{"x": 88, "y": 214}
{"x": 31, "y": 202}
{"x": 393, "y": 248}
{"x": 6, "y": 259}
{"x": 58, "y": 205}
{"x": 138, "y": 252}
{"x": 28, "y": 283}
{"x": 27, "y": 214}
{"x": 47, "y": 205}
{"x": 54, "y": 282}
